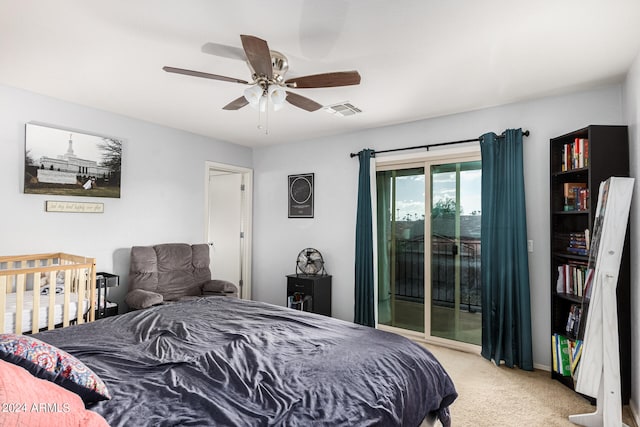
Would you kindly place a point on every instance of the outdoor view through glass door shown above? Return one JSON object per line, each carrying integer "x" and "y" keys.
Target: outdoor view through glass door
{"x": 401, "y": 212}
{"x": 448, "y": 304}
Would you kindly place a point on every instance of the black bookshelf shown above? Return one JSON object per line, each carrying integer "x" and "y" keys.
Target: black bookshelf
{"x": 573, "y": 201}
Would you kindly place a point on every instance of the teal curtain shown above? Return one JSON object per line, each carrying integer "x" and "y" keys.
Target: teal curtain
{"x": 364, "y": 310}
{"x": 506, "y": 308}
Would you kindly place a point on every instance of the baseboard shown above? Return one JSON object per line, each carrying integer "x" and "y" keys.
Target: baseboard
{"x": 634, "y": 412}
{"x": 542, "y": 367}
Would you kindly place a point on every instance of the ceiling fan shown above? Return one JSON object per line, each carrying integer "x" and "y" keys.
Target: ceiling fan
{"x": 268, "y": 68}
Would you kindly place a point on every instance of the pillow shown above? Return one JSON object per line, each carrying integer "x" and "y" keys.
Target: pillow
{"x": 29, "y": 401}
{"x": 50, "y": 363}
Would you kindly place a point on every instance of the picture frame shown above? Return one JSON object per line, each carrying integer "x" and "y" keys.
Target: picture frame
{"x": 67, "y": 162}
{"x": 301, "y": 195}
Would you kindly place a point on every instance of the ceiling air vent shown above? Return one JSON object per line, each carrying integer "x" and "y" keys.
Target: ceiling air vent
{"x": 343, "y": 109}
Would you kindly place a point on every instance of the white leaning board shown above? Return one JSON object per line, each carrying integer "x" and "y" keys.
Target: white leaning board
{"x": 599, "y": 370}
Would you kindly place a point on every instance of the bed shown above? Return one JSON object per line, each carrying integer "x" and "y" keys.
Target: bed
{"x": 60, "y": 285}
{"x": 230, "y": 362}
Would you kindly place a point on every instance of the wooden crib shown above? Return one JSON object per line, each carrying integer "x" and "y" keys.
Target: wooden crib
{"x": 45, "y": 291}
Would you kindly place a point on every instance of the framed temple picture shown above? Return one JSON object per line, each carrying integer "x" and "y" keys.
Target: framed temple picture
{"x": 301, "y": 196}
{"x": 68, "y": 162}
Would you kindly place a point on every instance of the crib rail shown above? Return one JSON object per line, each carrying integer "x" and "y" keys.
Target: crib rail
{"x": 22, "y": 277}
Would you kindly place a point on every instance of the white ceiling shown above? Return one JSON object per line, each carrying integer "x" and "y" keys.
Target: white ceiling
{"x": 417, "y": 58}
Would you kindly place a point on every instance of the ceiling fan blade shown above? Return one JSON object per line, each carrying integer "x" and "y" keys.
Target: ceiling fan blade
{"x": 302, "y": 102}
{"x": 203, "y": 75}
{"x": 339, "y": 78}
{"x": 258, "y": 55}
{"x": 236, "y": 104}
{"x": 224, "y": 51}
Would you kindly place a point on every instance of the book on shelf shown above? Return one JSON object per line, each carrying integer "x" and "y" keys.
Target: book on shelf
{"x": 576, "y": 352}
{"x": 574, "y": 278}
{"x": 576, "y": 196}
{"x": 575, "y": 243}
{"x": 579, "y": 201}
{"x": 554, "y": 353}
{"x": 577, "y": 250}
{"x": 575, "y": 155}
{"x": 566, "y": 354}
{"x": 573, "y": 320}
{"x": 587, "y": 285}
{"x": 562, "y": 363}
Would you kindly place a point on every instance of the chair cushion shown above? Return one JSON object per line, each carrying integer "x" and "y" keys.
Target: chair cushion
{"x": 143, "y": 270}
{"x": 201, "y": 260}
{"x": 219, "y": 287}
{"x": 175, "y": 271}
{"x": 139, "y": 298}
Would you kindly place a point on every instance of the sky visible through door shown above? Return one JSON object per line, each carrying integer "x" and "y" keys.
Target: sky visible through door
{"x": 410, "y": 201}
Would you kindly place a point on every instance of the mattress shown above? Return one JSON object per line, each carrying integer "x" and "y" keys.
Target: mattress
{"x": 43, "y": 319}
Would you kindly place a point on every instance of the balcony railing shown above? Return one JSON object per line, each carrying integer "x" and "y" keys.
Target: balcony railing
{"x": 409, "y": 284}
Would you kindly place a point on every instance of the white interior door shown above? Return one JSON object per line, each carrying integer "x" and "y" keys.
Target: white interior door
{"x": 226, "y": 225}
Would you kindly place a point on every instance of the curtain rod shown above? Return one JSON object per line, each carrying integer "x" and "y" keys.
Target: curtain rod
{"x": 524, "y": 133}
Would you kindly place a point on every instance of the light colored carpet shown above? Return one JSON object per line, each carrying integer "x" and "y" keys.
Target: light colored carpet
{"x": 499, "y": 396}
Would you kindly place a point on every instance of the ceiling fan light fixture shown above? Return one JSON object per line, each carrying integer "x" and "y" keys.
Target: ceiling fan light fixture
{"x": 277, "y": 95}
{"x": 253, "y": 94}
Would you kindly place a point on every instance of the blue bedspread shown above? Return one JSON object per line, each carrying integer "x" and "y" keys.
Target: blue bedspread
{"x": 229, "y": 362}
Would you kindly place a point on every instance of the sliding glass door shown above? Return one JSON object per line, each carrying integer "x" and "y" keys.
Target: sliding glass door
{"x": 431, "y": 289}
{"x": 455, "y": 251}
{"x": 401, "y": 213}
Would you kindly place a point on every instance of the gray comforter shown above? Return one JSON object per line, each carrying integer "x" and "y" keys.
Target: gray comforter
{"x": 230, "y": 362}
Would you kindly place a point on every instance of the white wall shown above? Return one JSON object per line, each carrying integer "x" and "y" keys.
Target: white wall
{"x": 162, "y": 197}
{"x": 632, "y": 114}
{"x": 277, "y": 239}
{"x": 163, "y": 189}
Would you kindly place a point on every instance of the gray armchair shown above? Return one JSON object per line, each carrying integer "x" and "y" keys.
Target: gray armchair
{"x": 172, "y": 272}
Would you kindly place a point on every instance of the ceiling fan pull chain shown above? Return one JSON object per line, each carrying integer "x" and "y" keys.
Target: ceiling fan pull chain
{"x": 259, "y": 116}
{"x": 266, "y": 116}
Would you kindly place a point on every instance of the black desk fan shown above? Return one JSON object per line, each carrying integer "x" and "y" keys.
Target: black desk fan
{"x": 310, "y": 262}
